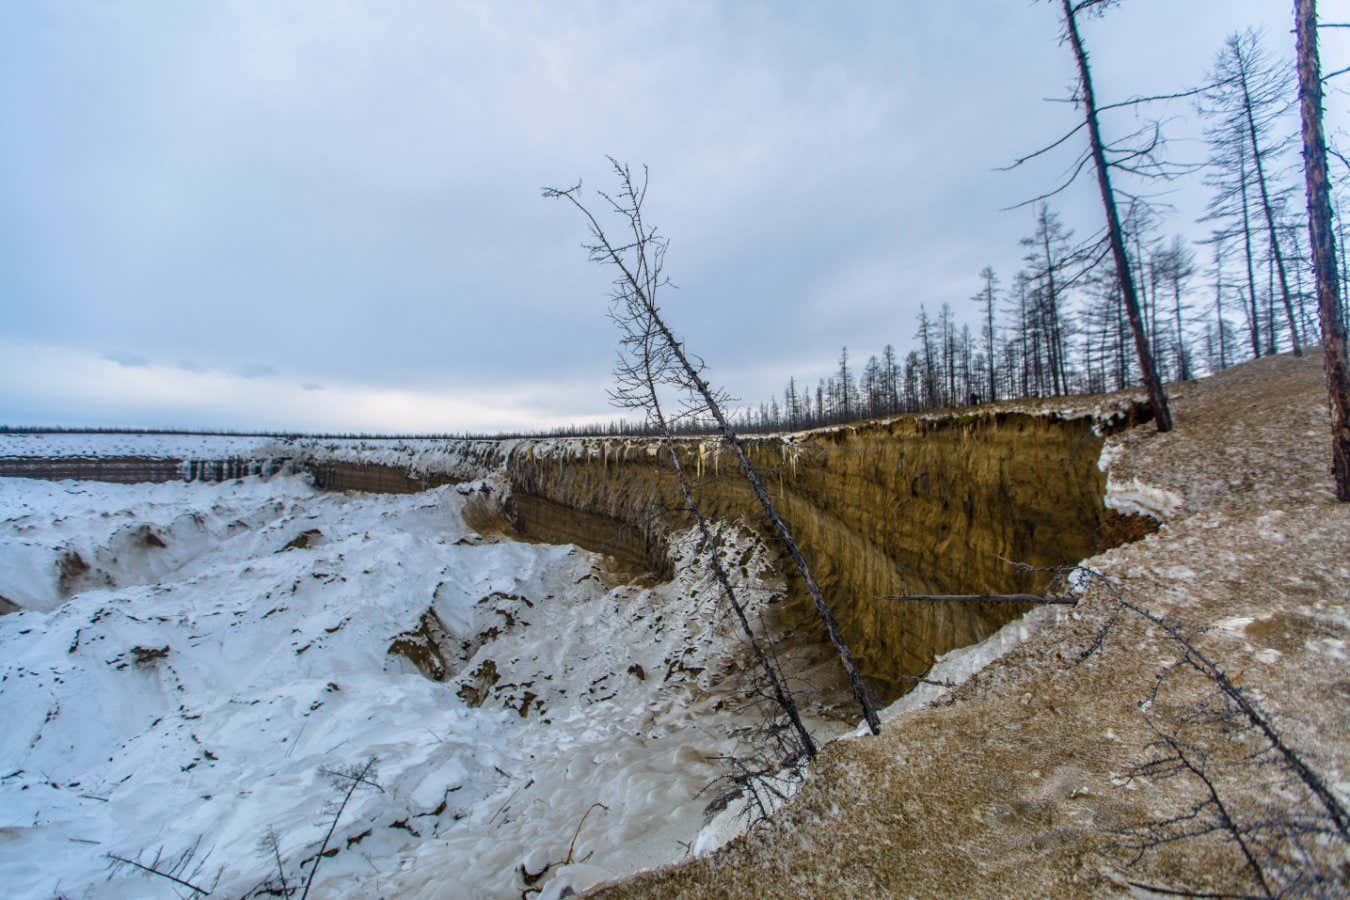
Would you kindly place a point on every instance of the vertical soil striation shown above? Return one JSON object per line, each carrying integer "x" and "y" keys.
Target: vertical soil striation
{"x": 916, "y": 504}
{"x": 912, "y": 505}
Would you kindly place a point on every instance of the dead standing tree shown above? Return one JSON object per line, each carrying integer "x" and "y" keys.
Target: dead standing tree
{"x": 1139, "y": 160}
{"x": 1246, "y": 95}
{"x": 686, "y": 373}
{"x": 1334, "y": 362}
{"x": 1162, "y": 412}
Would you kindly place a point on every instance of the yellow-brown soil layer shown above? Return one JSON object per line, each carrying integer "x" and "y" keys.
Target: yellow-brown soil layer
{"x": 939, "y": 504}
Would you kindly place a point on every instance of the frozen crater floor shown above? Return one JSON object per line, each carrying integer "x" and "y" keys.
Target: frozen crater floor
{"x": 189, "y": 661}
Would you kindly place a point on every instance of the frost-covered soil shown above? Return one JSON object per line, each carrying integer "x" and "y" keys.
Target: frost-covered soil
{"x": 1013, "y": 784}
{"x": 191, "y": 658}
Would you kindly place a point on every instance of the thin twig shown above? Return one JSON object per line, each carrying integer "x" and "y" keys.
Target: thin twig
{"x": 153, "y": 871}
{"x": 1047, "y": 599}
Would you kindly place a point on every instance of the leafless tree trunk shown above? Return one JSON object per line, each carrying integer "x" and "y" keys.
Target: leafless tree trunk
{"x": 777, "y": 683}
{"x": 1042, "y": 599}
{"x": 1253, "y": 313}
{"x": 638, "y": 377}
{"x": 1161, "y": 411}
{"x": 986, "y": 296}
{"x": 689, "y": 371}
{"x": 784, "y": 533}
{"x": 1249, "y": 116}
{"x": 1218, "y": 301}
{"x": 1323, "y": 246}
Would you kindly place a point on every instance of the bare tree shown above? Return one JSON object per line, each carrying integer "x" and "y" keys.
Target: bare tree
{"x": 1229, "y": 176}
{"x": 1246, "y": 95}
{"x": 1136, "y": 154}
{"x": 1218, "y": 736}
{"x": 644, "y": 364}
{"x": 1323, "y": 245}
{"x": 352, "y": 777}
{"x": 890, "y": 374}
{"x": 844, "y": 387}
{"x": 1161, "y": 411}
{"x": 1225, "y": 742}
{"x": 1219, "y": 352}
{"x": 1176, "y": 264}
{"x": 686, "y": 373}
{"x": 1048, "y": 255}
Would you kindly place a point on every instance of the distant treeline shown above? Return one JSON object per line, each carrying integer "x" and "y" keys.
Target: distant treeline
{"x": 616, "y": 428}
{"x": 1060, "y": 326}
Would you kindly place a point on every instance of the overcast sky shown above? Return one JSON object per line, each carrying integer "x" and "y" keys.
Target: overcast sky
{"x": 327, "y": 215}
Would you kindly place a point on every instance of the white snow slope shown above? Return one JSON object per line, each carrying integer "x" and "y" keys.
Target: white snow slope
{"x": 191, "y": 685}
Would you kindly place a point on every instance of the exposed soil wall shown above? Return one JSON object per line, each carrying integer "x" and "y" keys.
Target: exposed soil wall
{"x": 123, "y": 469}
{"x": 915, "y": 505}
{"x": 342, "y": 476}
{"x": 134, "y": 469}
{"x": 918, "y": 504}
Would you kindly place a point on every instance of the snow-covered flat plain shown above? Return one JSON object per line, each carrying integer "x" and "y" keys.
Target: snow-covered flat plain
{"x": 190, "y": 660}
{"x": 154, "y": 446}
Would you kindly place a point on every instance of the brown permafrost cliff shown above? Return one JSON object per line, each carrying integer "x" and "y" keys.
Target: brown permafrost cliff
{"x": 916, "y": 504}
{"x": 912, "y": 505}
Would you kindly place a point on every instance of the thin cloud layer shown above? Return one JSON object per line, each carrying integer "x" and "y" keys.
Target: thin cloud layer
{"x": 347, "y": 195}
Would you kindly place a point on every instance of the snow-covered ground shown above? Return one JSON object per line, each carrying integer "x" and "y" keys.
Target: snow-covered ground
{"x": 191, "y": 659}
{"x": 154, "y": 446}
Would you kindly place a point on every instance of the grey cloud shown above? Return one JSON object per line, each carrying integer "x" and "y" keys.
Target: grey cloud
{"x": 355, "y": 196}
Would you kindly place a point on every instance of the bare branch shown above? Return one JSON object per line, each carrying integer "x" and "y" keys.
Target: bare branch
{"x": 1046, "y": 149}
{"x": 1153, "y": 98}
{"x": 1078, "y": 169}
{"x": 1046, "y": 599}
{"x": 162, "y": 874}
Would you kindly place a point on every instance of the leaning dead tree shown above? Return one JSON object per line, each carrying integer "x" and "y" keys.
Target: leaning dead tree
{"x": 1244, "y": 706}
{"x": 1115, "y": 234}
{"x": 1334, "y": 362}
{"x": 1040, "y": 599}
{"x": 350, "y": 777}
{"x": 686, "y": 374}
{"x": 643, "y": 365}
{"x": 188, "y": 870}
{"x": 1136, "y": 154}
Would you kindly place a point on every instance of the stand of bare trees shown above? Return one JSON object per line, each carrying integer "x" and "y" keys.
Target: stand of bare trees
{"x": 1066, "y": 322}
{"x": 1123, "y": 306}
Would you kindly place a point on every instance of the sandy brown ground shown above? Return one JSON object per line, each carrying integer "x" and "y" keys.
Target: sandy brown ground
{"x": 1012, "y": 786}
